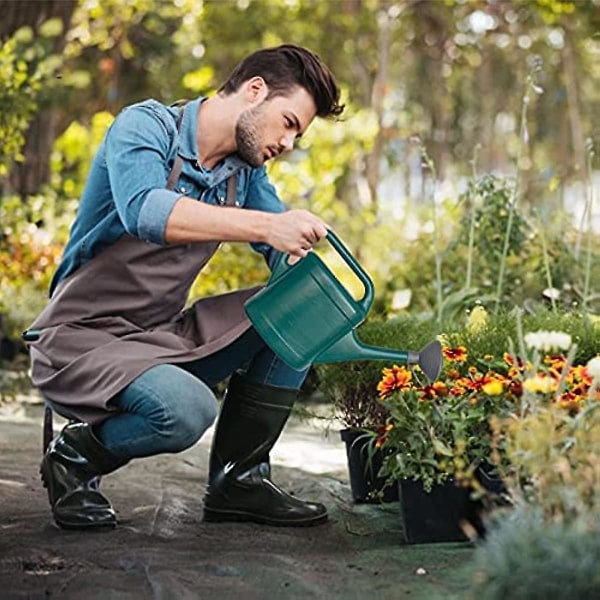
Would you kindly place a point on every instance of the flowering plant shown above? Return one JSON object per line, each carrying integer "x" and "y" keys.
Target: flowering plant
{"x": 442, "y": 430}
{"x": 551, "y": 448}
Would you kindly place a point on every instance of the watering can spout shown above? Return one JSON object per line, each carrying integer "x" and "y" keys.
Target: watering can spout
{"x": 428, "y": 359}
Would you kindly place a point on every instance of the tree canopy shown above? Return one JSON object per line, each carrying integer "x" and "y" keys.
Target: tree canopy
{"x": 478, "y": 86}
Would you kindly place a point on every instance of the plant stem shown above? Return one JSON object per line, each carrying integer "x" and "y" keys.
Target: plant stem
{"x": 588, "y": 207}
{"x": 428, "y": 162}
{"x": 512, "y": 206}
{"x": 547, "y": 263}
{"x": 471, "y": 222}
{"x": 530, "y": 86}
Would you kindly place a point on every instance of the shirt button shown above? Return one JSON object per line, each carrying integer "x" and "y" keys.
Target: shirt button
{"x": 182, "y": 189}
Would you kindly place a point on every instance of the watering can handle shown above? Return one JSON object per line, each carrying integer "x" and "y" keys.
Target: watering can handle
{"x": 282, "y": 266}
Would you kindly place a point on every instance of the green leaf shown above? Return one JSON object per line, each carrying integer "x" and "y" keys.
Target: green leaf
{"x": 441, "y": 448}
{"x": 51, "y": 28}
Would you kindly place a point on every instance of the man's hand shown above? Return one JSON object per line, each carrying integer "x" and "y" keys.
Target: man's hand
{"x": 295, "y": 232}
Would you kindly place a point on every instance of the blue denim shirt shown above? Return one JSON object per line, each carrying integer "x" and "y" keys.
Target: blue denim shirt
{"x": 126, "y": 187}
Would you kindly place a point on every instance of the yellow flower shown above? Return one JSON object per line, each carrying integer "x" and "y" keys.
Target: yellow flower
{"x": 595, "y": 320}
{"x": 477, "y": 319}
{"x": 539, "y": 384}
{"x": 493, "y": 387}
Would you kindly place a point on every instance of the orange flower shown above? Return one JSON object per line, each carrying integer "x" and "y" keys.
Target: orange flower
{"x": 581, "y": 374}
{"x": 382, "y": 435}
{"x": 396, "y": 378}
{"x": 513, "y": 361}
{"x": 435, "y": 390}
{"x": 458, "y": 354}
{"x": 555, "y": 362}
{"x": 453, "y": 374}
{"x": 570, "y": 401}
{"x": 556, "y": 365}
{"x": 514, "y": 373}
{"x": 477, "y": 382}
{"x": 515, "y": 388}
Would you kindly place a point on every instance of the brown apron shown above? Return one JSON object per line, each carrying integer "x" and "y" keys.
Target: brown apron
{"x": 122, "y": 313}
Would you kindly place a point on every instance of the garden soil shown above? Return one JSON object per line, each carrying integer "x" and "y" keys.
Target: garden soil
{"x": 162, "y": 550}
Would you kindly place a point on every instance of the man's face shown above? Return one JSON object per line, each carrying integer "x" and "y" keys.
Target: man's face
{"x": 266, "y": 130}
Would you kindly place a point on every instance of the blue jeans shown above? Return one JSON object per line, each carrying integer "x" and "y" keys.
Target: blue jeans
{"x": 169, "y": 407}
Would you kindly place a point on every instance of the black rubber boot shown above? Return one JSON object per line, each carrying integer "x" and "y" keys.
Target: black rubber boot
{"x": 239, "y": 484}
{"x": 71, "y": 470}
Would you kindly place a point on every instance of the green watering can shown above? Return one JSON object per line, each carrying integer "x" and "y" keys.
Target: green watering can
{"x": 306, "y": 316}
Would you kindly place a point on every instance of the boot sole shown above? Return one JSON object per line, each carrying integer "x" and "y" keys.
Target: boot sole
{"x": 212, "y": 515}
{"x": 46, "y": 481}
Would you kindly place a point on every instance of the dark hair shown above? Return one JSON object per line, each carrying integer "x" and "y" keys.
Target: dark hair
{"x": 285, "y": 67}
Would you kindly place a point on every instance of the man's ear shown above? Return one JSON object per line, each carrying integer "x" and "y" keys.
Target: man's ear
{"x": 256, "y": 90}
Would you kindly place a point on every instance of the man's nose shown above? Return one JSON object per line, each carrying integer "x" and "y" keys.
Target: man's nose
{"x": 287, "y": 141}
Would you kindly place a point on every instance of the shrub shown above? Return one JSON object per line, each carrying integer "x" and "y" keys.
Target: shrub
{"x": 525, "y": 558}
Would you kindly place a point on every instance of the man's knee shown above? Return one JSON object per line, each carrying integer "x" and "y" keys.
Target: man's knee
{"x": 184, "y": 411}
{"x": 191, "y": 414}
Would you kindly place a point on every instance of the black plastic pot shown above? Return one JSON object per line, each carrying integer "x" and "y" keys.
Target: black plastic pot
{"x": 436, "y": 516}
{"x": 364, "y": 483}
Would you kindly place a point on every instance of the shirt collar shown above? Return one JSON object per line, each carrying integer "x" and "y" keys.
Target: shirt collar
{"x": 188, "y": 144}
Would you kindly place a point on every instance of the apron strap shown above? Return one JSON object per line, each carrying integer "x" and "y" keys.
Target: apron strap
{"x": 231, "y": 199}
{"x": 178, "y": 164}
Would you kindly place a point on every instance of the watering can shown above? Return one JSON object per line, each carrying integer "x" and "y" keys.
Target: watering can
{"x": 306, "y": 316}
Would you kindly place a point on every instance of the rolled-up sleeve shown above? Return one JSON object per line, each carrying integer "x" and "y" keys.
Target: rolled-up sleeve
{"x": 137, "y": 152}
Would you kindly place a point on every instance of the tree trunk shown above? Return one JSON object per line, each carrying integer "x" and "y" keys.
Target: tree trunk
{"x": 28, "y": 176}
{"x": 377, "y": 98}
{"x": 574, "y": 106}
{"x": 32, "y": 13}
{"x": 486, "y": 116}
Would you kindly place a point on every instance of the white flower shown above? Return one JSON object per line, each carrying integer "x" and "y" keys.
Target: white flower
{"x": 593, "y": 368}
{"x": 548, "y": 340}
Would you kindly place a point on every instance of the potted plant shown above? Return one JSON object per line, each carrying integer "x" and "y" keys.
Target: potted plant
{"x": 439, "y": 443}
{"x": 363, "y": 418}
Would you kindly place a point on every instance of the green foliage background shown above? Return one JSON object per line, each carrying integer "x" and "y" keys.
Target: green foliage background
{"x": 456, "y": 74}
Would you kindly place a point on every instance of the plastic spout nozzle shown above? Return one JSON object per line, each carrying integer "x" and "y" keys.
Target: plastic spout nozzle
{"x": 429, "y": 359}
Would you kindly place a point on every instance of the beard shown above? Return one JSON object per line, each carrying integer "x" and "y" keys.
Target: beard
{"x": 248, "y": 137}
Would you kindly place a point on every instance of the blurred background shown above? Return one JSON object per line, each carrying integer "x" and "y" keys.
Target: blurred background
{"x": 464, "y": 171}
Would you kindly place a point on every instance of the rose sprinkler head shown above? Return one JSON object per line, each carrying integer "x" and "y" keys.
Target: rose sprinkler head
{"x": 429, "y": 359}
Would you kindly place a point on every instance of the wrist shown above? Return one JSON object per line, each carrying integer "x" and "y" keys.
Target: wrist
{"x": 265, "y": 226}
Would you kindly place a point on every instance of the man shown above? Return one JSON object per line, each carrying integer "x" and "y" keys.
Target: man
{"x": 117, "y": 353}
